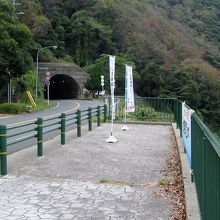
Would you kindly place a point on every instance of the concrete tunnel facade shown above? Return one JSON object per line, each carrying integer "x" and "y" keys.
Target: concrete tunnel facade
{"x": 67, "y": 81}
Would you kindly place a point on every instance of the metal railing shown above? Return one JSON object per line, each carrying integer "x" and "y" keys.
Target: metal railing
{"x": 206, "y": 169}
{"x": 205, "y": 145}
{"x": 151, "y": 110}
{"x": 38, "y": 128}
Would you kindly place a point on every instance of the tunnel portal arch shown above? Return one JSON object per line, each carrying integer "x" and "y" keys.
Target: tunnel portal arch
{"x": 72, "y": 73}
{"x": 63, "y": 87}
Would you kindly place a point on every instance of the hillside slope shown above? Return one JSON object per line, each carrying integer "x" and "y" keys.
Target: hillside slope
{"x": 173, "y": 44}
{"x": 142, "y": 29}
{"x": 203, "y": 16}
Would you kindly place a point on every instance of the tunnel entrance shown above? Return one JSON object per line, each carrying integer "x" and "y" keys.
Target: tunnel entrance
{"x": 62, "y": 87}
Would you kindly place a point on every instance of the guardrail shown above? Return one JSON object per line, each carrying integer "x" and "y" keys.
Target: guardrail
{"x": 38, "y": 128}
{"x": 152, "y": 109}
{"x": 206, "y": 168}
{"x": 205, "y": 147}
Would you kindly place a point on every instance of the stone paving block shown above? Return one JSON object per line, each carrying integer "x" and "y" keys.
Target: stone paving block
{"x": 65, "y": 184}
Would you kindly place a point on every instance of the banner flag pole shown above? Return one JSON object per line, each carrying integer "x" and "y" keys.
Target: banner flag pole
{"x": 125, "y": 127}
{"x": 111, "y": 138}
{"x": 129, "y": 94}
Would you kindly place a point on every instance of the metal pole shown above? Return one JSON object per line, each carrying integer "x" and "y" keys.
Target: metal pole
{"x": 78, "y": 123}
{"x": 63, "y": 123}
{"x": 105, "y": 113}
{"x": 98, "y": 116}
{"x": 112, "y": 120}
{"x": 126, "y": 79}
{"x": 180, "y": 119}
{"x": 40, "y": 137}
{"x": 3, "y": 149}
{"x": 37, "y": 69}
{"x": 36, "y": 83}
{"x": 48, "y": 93}
{"x": 8, "y": 92}
{"x": 10, "y": 89}
{"x": 90, "y": 119}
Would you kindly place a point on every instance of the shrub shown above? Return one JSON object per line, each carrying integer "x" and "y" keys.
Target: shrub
{"x": 145, "y": 113}
{"x": 12, "y": 108}
{"x": 87, "y": 95}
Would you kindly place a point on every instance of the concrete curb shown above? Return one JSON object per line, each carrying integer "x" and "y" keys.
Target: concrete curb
{"x": 5, "y": 116}
{"x": 191, "y": 200}
{"x": 144, "y": 123}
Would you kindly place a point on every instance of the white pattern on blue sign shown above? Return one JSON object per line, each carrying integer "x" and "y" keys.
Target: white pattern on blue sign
{"x": 47, "y": 82}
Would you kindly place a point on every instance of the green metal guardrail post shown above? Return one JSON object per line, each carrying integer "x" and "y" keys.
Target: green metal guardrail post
{"x": 179, "y": 118}
{"x": 98, "y": 116}
{"x": 203, "y": 179}
{"x": 78, "y": 123}
{"x": 180, "y": 112}
{"x": 105, "y": 113}
{"x": 175, "y": 111}
{"x": 63, "y": 128}
{"x": 90, "y": 118}
{"x": 40, "y": 137}
{"x": 3, "y": 149}
{"x": 177, "y": 114}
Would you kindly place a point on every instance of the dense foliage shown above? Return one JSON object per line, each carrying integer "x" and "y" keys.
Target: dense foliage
{"x": 173, "y": 45}
{"x": 13, "y": 108}
{"x": 203, "y": 17}
{"x": 15, "y": 39}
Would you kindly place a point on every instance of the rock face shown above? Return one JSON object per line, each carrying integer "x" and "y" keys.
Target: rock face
{"x": 79, "y": 76}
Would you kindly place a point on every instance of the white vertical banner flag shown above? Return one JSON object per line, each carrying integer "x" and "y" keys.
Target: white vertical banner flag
{"x": 129, "y": 88}
{"x": 112, "y": 139}
{"x": 112, "y": 82}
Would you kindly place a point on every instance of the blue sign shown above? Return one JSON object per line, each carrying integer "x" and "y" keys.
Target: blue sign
{"x": 47, "y": 82}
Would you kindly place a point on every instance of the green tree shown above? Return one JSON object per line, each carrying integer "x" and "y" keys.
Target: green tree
{"x": 101, "y": 67}
{"x": 87, "y": 38}
{"x": 15, "y": 40}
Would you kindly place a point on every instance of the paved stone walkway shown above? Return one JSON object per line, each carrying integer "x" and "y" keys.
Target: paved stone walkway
{"x": 91, "y": 179}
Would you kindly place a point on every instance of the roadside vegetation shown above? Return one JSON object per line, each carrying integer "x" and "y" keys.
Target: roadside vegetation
{"x": 18, "y": 108}
{"x": 173, "y": 46}
{"x": 13, "y": 108}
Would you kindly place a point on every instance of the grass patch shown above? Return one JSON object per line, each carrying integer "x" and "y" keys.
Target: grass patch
{"x": 13, "y": 108}
{"x": 42, "y": 106}
{"x": 104, "y": 180}
{"x": 18, "y": 108}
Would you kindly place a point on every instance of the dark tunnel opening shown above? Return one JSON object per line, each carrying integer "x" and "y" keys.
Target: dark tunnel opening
{"x": 62, "y": 87}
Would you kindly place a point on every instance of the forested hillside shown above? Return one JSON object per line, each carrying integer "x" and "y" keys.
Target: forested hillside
{"x": 203, "y": 16}
{"x": 173, "y": 44}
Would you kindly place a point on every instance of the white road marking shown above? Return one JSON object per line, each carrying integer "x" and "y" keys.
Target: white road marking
{"x": 58, "y": 104}
{"x": 47, "y": 117}
{"x": 51, "y": 116}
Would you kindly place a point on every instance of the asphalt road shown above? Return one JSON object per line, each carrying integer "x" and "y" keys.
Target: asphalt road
{"x": 62, "y": 106}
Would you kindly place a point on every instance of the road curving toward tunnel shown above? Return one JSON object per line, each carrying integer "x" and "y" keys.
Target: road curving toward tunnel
{"x": 62, "y": 106}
